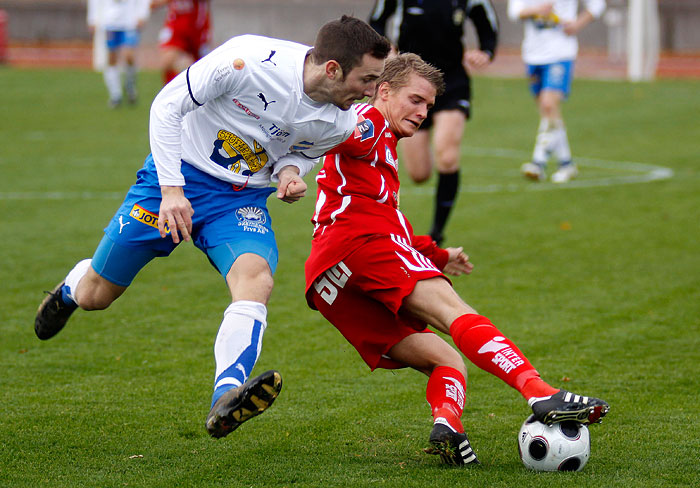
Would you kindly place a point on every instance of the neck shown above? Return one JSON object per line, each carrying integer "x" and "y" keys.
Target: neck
{"x": 315, "y": 86}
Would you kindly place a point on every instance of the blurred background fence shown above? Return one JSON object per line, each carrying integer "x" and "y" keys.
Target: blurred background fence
{"x": 54, "y": 32}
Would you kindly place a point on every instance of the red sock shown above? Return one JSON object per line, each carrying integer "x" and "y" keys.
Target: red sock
{"x": 445, "y": 394}
{"x": 486, "y": 347}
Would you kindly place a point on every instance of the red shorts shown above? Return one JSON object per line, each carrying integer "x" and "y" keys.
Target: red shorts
{"x": 362, "y": 296}
{"x": 182, "y": 34}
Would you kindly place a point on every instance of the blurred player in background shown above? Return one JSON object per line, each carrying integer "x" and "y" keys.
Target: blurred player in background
{"x": 186, "y": 35}
{"x": 254, "y": 110}
{"x": 549, "y": 50}
{"x": 380, "y": 285}
{"x": 122, "y": 21}
{"x": 434, "y": 30}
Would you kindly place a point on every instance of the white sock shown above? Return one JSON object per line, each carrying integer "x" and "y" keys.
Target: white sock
{"x": 562, "y": 151}
{"x": 543, "y": 142}
{"x": 75, "y": 275}
{"x": 130, "y": 79}
{"x": 239, "y": 342}
{"x": 112, "y": 77}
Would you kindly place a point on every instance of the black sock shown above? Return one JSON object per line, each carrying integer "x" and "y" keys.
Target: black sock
{"x": 447, "y": 188}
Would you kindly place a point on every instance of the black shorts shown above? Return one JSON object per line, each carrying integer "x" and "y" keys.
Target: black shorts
{"x": 457, "y": 95}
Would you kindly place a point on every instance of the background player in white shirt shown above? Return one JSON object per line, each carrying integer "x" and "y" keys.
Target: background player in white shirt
{"x": 254, "y": 110}
{"x": 122, "y": 21}
{"x": 549, "y": 50}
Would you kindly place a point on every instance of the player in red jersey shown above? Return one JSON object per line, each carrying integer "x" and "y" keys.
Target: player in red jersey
{"x": 380, "y": 285}
{"x": 186, "y": 35}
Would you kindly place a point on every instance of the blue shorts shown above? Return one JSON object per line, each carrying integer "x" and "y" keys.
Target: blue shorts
{"x": 226, "y": 224}
{"x": 122, "y": 38}
{"x": 555, "y": 76}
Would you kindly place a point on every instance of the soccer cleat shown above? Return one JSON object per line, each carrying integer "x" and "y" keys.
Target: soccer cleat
{"x": 565, "y": 173}
{"x": 52, "y": 314}
{"x": 533, "y": 171}
{"x": 565, "y": 405}
{"x": 452, "y": 446}
{"x": 243, "y": 403}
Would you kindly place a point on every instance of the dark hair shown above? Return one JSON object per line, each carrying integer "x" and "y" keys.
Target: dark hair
{"x": 347, "y": 40}
{"x": 398, "y": 69}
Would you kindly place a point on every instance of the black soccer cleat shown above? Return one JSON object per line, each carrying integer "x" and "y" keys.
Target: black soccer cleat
{"x": 565, "y": 405}
{"x": 453, "y": 447}
{"x": 52, "y": 314}
{"x": 242, "y": 403}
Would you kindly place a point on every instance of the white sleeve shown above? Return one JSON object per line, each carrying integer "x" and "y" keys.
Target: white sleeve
{"x": 595, "y": 7}
{"x": 514, "y": 9}
{"x": 293, "y": 159}
{"x": 205, "y": 80}
{"x": 93, "y": 8}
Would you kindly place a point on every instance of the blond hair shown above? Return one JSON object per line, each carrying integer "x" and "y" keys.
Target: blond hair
{"x": 399, "y": 68}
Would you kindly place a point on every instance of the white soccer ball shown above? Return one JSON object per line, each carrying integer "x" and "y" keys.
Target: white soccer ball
{"x": 563, "y": 446}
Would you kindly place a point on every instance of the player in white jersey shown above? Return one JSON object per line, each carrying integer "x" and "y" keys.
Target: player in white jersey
{"x": 121, "y": 21}
{"x": 549, "y": 50}
{"x": 253, "y": 111}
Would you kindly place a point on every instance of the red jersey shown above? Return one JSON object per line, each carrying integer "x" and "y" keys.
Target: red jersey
{"x": 358, "y": 197}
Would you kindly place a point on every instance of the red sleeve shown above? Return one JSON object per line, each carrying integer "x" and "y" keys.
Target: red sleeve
{"x": 427, "y": 246}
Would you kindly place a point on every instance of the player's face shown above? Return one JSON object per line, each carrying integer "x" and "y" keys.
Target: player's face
{"x": 407, "y": 107}
{"x": 359, "y": 83}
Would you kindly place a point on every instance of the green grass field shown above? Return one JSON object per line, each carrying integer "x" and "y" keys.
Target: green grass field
{"x": 598, "y": 282}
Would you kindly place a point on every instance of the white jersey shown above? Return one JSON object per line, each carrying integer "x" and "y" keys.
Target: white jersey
{"x": 240, "y": 114}
{"x": 545, "y": 41}
{"x": 117, "y": 15}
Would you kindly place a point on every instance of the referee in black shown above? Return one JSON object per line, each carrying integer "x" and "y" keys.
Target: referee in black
{"x": 434, "y": 29}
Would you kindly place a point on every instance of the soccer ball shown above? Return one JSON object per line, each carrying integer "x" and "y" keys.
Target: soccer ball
{"x": 564, "y": 446}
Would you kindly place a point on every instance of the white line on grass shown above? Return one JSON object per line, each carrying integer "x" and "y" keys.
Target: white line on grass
{"x": 643, "y": 173}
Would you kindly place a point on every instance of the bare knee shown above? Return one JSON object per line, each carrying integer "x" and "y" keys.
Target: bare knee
{"x": 250, "y": 278}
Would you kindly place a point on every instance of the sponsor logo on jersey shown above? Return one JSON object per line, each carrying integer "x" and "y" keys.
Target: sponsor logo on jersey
{"x": 301, "y": 146}
{"x": 390, "y": 158}
{"x": 261, "y": 96}
{"x": 221, "y": 73}
{"x": 237, "y": 151}
{"x": 364, "y": 129}
{"x": 245, "y": 109}
{"x": 146, "y": 217}
{"x": 252, "y": 219}
{"x": 269, "y": 58}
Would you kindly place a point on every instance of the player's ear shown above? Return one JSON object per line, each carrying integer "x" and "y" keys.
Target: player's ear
{"x": 333, "y": 70}
{"x": 383, "y": 90}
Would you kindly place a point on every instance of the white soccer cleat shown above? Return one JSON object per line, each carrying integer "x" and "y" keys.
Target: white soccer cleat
{"x": 565, "y": 173}
{"x": 533, "y": 171}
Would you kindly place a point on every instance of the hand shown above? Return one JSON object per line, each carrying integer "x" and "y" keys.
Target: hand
{"x": 476, "y": 58}
{"x": 291, "y": 187}
{"x": 543, "y": 9}
{"x": 176, "y": 210}
{"x": 458, "y": 262}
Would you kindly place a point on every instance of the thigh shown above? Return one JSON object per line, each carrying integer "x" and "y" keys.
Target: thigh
{"x": 237, "y": 223}
{"x": 416, "y": 156}
{"x": 367, "y": 324}
{"x": 114, "y": 39}
{"x": 448, "y": 129}
{"x": 425, "y": 352}
{"x": 557, "y": 77}
{"x": 135, "y": 224}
